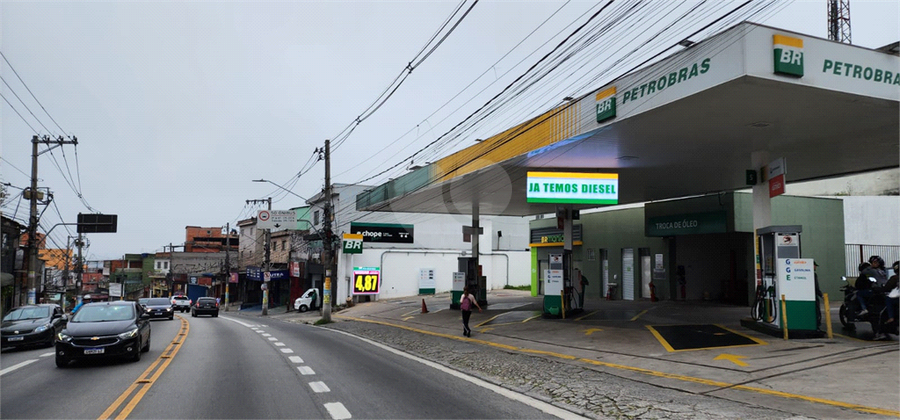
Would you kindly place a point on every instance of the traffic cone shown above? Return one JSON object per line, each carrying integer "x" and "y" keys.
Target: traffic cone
{"x": 424, "y": 308}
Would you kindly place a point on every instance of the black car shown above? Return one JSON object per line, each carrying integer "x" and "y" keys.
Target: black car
{"x": 205, "y": 306}
{"x": 103, "y": 330}
{"x": 159, "y": 308}
{"x": 31, "y": 325}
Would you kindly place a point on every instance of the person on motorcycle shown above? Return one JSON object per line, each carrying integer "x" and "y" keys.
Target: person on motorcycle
{"x": 891, "y": 284}
{"x": 863, "y": 288}
{"x": 877, "y": 270}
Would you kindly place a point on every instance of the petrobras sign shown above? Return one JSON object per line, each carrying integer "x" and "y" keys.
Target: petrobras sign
{"x": 353, "y": 243}
{"x": 788, "y": 55}
{"x": 606, "y": 104}
{"x": 572, "y": 188}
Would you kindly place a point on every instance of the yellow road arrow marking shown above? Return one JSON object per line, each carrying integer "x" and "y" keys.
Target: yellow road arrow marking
{"x": 732, "y": 358}
{"x": 590, "y": 331}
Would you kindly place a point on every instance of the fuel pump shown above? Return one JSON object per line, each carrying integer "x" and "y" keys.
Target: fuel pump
{"x": 553, "y": 286}
{"x": 784, "y": 272}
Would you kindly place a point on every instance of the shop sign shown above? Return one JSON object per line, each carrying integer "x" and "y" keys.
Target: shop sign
{"x": 383, "y": 232}
{"x": 606, "y": 104}
{"x": 256, "y": 273}
{"x": 572, "y": 188}
{"x": 686, "y": 224}
{"x": 788, "y": 55}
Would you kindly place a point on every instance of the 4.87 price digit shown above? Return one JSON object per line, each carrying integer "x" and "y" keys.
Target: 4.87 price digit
{"x": 366, "y": 283}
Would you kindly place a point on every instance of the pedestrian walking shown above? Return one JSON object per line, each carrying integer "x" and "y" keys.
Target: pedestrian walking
{"x": 465, "y": 304}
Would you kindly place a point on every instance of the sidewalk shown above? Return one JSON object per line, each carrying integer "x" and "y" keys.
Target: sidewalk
{"x": 657, "y": 343}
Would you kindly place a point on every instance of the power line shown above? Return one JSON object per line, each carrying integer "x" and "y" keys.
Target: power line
{"x": 398, "y": 81}
{"x": 29, "y": 91}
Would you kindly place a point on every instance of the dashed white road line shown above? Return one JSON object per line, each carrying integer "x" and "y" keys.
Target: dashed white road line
{"x": 47, "y": 354}
{"x": 19, "y": 365}
{"x": 337, "y": 411}
{"x": 319, "y": 387}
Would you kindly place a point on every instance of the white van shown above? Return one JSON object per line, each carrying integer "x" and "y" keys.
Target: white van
{"x": 309, "y": 300}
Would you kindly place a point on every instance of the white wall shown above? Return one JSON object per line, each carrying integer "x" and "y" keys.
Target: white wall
{"x": 872, "y": 220}
{"x": 400, "y": 269}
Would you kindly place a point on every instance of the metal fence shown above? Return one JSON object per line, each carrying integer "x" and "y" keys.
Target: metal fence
{"x": 854, "y": 254}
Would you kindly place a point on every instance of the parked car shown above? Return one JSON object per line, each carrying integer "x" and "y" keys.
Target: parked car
{"x": 103, "y": 330}
{"x": 159, "y": 308}
{"x": 308, "y": 300}
{"x": 205, "y": 306}
{"x": 181, "y": 303}
{"x": 31, "y": 325}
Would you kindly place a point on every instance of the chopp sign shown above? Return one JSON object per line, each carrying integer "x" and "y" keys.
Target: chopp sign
{"x": 573, "y": 188}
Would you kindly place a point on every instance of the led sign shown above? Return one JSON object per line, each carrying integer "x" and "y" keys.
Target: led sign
{"x": 572, "y": 188}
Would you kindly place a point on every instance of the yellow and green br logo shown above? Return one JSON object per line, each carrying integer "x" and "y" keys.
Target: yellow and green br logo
{"x": 606, "y": 104}
{"x": 788, "y": 55}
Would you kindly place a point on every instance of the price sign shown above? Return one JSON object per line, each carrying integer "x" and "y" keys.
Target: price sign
{"x": 366, "y": 280}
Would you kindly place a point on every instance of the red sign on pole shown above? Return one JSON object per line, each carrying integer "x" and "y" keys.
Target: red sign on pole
{"x": 776, "y": 185}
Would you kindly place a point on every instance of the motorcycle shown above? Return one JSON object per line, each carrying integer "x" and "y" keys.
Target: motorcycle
{"x": 877, "y": 316}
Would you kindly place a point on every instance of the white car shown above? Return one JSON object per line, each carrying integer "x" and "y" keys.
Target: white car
{"x": 309, "y": 300}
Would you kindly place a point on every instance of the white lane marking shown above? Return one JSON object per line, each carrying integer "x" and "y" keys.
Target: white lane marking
{"x": 237, "y": 322}
{"x": 259, "y": 331}
{"x": 16, "y": 366}
{"x": 306, "y": 370}
{"x": 273, "y": 339}
{"x": 319, "y": 387}
{"x": 47, "y": 354}
{"x": 267, "y": 335}
{"x": 296, "y": 359}
{"x": 338, "y": 411}
{"x": 287, "y": 351}
{"x": 279, "y": 344}
{"x": 537, "y": 404}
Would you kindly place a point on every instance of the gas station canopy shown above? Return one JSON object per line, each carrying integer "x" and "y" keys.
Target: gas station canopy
{"x": 684, "y": 126}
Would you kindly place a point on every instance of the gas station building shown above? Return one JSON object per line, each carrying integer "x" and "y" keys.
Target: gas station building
{"x": 752, "y": 106}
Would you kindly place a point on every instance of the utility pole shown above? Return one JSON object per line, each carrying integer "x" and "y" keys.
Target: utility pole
{"x": 329, "y": 251}
{"x": 265, "y": 302}
{"x": 33, "y": 219}
{"x": 227, "y": 261}
{"x": 79, "y": 268}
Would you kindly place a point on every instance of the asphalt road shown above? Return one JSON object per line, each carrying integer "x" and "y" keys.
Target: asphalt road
{"x": 235, "y": 367}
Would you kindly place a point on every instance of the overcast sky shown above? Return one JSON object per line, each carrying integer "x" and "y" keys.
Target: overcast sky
{"x": 177, "y": 106}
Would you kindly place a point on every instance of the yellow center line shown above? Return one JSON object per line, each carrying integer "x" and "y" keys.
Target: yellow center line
{"x": 162, "y": 362}
{"x": 679, "y": 377}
